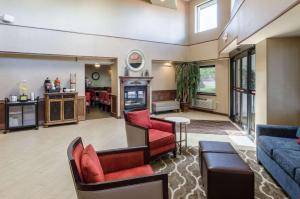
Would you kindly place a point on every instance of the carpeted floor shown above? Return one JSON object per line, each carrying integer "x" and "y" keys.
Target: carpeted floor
{"x": 185, "y": 180}
{"x": 212, "y": 127}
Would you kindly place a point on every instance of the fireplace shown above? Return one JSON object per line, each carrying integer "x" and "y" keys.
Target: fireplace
{"x": 135, "y": 97}
{"x": 135, "y": 92}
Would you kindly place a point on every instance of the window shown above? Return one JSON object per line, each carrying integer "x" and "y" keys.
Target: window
{"x": 207, "y": 84}
{"x": 232, "y": 4}
{"x": 206, "y": 16}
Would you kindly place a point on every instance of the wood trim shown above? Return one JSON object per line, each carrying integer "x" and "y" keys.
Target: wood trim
{"x": 81, "y": 108}
{"x": 2, "y": 114}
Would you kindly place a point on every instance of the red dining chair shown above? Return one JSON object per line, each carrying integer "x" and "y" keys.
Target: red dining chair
{"x": 88, "y": 101}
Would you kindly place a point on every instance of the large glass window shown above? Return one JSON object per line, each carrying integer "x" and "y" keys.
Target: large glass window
{"x": 232, "y": 4}
{"x": 206, "y": 16}
{"x": 207, "y": 84}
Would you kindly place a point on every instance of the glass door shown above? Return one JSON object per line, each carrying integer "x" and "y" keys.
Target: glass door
{"x": 243, "y": 90}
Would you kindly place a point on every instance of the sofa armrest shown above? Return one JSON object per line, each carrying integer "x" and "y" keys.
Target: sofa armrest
{"x": 120, "y": 159}
{"x": 136, "y": 135}
{"x": 147, "y": 187}
{"x": 276, "y": 131}
{"x": 163, "y": 125}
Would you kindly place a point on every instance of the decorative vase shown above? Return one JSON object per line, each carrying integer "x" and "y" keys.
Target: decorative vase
{"x": 146, "y": 73}
{"x": 126, "y": 72}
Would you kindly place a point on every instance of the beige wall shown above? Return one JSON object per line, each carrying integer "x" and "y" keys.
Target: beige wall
{"x": 222, "y": 85}
{"x": 278, "y": 88}
{"x": 223, "y": 18}
{"x": 35, "y": 71}
{"x": 242, "y": 25}
{"x": 105, "y": 75}
{"x": 134, "y": 19}
{"x": 283, "y": 81}
{"x": 164, "y": 76}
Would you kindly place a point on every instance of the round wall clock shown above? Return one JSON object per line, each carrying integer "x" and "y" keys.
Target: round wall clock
{"x": 95, "y": 75}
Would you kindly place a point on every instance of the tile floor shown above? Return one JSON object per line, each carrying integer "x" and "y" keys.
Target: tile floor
{"x": 33, "y": 163}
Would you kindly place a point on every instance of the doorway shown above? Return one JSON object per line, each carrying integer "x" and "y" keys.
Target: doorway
{"x": 243, "y": 90}
{"x": 98, "y": 87}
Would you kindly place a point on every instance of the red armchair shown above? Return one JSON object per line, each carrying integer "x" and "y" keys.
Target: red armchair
{"x": 123, "y": 173}
{"x": 157, "y": 134}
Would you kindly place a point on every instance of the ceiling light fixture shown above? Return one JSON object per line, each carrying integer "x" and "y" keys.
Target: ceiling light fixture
{"x": 97, "y": 65}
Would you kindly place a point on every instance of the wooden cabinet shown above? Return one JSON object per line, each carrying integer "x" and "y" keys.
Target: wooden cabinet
{"x": 60, "y": 108}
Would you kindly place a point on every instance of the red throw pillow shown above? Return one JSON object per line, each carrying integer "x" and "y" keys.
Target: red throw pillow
{"x": 140, "y": 118}
{"x": 298, "y": 140}
{"x": 90, "y": 165}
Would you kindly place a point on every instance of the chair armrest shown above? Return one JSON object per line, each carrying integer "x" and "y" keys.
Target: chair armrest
{"x": 276, "y": 131}
{"x": 163, "y": 125}
{"x": 135, "y": 188}
{"x": 136, "y": 135}
{"x": 119, "y": 159}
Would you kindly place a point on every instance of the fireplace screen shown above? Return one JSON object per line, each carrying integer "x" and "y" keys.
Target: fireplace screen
{"x": 135, "y": 97}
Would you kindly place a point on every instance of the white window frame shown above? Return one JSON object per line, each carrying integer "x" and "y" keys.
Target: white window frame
{"x": 232, "y": 2}
{"x": 197, "y": 15}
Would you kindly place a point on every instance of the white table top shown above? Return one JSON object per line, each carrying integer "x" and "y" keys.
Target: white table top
{"x": 179, "y": 120}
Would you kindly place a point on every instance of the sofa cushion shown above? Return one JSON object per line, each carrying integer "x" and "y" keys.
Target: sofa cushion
{"x": 90, "y": 165}
{"x": 298, "y": 132}
{"x": 288, "y": 160}
{"x": 140, "y": 118}
{"x": 297, "y": 176}
{"x": 159, "y": 138}
{"x": 130, "y": 173}
{"x": 268, "y": 144}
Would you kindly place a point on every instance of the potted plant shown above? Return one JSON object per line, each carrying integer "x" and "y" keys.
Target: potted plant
{"x": 187, "y": 80}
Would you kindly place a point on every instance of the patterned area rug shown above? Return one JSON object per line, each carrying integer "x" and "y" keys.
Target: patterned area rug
{"x": 185, "y": 180}
{"x": 212, "y": 127}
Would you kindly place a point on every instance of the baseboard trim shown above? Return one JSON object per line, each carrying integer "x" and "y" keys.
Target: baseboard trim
{"x": 208, "y": 111}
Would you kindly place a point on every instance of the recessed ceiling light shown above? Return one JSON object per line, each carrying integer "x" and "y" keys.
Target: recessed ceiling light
{"x": 162, "y": 0}
{"x": 97, "y": 65}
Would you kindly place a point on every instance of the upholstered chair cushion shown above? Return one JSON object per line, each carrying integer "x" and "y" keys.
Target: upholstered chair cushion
{"x": 159, "y": 138}
{"x": 77, "y": 153}
{"x": 140, "y": 118}
{"x": 90, "y": 165}
{"x": 162, "y": 126}
{"x": 130, "y": 173}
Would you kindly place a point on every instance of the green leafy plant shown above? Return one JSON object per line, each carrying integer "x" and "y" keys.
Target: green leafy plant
{"x": 187, "y": 80}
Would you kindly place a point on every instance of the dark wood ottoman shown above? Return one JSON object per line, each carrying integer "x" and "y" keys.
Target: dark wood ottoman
{"x": 214, "y": 147}
{"x": 227, "y": 176}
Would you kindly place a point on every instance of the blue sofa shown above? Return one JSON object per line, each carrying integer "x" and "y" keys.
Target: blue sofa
{"x": 279, "y": 152}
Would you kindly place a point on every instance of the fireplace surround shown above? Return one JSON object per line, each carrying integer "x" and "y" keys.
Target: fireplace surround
{"x": 134, "y": 92}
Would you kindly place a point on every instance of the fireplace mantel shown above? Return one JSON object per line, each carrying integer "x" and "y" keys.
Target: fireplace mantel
{"x": 134, "y": 82}
{"x": 125, "y": 78}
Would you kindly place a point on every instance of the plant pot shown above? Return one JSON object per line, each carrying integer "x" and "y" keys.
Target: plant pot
{"x": 184, "y": 106}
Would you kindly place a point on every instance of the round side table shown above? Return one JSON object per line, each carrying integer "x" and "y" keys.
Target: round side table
{"x": 183, "y": 122}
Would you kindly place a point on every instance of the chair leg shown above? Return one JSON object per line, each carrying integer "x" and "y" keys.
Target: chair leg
{"x": 175, "y": 153}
